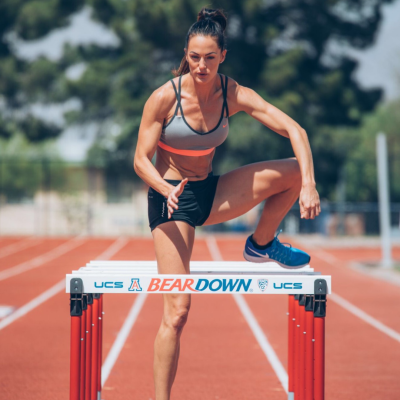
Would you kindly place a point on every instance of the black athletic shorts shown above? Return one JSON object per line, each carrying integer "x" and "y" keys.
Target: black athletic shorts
{"x": 194, "y": 204}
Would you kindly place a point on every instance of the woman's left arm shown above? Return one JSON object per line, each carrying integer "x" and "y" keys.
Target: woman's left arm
{"x": 249, "y": 101}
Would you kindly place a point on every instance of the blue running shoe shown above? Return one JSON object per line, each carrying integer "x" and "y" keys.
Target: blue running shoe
{"x": 286, "y": 257}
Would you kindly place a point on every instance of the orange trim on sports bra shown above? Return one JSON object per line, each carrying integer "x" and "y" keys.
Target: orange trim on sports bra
{"x": 193, "y": 153}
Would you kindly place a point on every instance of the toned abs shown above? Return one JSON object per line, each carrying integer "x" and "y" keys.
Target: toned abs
{"x": 176, "y": 166}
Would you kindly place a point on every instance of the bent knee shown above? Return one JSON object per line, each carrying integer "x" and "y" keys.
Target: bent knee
{"x": 176, "y": 310}
{"x": 294, "y": 167}
{"x": 295, "y": 172}
{"x": 177, "y": 318}
{"x": 293, "y": 179}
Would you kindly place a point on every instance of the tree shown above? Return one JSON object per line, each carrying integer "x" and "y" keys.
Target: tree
{"x": 26, "y": 168}
{"x": 360, "y": 164}
{"x": 23, "y": 83}
{"x": 278, "y": 48}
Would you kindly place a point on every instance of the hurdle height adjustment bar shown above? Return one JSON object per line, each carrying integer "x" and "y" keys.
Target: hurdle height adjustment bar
{"x": 306, "y": 362}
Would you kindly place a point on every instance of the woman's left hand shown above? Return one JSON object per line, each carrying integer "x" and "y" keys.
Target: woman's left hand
{"x": 309, "y": 202}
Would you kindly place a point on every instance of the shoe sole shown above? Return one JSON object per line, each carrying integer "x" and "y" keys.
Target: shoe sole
{"x": 260, "y": 260}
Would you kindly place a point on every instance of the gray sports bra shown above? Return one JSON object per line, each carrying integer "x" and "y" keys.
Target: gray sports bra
{"x": 180, "y": 138}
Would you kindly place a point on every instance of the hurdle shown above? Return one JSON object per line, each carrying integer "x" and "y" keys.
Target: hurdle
{"x": 307, "y": 291}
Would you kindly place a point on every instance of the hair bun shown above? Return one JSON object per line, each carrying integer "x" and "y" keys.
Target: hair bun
{"x": 215, "y": 15}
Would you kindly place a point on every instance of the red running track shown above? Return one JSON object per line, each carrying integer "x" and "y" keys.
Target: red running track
{"x": 220, "y": 359}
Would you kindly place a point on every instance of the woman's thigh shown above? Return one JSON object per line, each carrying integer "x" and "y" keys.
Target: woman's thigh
{"x": 238, "y": 191}
{"x": 173, "y": 243}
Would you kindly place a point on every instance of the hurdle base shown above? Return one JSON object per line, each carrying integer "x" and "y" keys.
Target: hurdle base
{"x": 291, "y": 396}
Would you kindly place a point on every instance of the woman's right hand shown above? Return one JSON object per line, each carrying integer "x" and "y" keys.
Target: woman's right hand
{"x": 172, "y": 200}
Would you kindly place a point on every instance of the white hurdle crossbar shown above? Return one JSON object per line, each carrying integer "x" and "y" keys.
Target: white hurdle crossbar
{"x": 206, "y": 277}
{"x": 306, "y": 316}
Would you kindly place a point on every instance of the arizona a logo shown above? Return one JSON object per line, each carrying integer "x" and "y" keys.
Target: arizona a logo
{"x": 135, "y": 285}
{"x": 263, "y": 284}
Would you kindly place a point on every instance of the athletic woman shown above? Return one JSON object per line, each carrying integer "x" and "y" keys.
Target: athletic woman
{"x": 184, "y": 121}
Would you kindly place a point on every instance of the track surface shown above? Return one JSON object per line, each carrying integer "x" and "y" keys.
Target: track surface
{"x": 220, "y": 358}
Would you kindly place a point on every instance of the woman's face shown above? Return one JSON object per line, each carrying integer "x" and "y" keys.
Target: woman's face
{"x": 204, "y": 57}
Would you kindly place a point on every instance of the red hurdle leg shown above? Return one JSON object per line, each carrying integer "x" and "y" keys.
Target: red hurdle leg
{"x": 302, "y": 367}
{"x": 319, "y": 354}
{"x": 296, "y": 345}
{"x": 75, "y": 357}
{"x": 291, "y": 328}
{"x": 309, "y": 382}
{"x": 83, "y": 350}
{"x": 76, "y": 288}
{"x": 88, "y": 346}
{"x": 319, "y": 335}
{"x": 95, "y": 343}
{"x": 99, "y": 363}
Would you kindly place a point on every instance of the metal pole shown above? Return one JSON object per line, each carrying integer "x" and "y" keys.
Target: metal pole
{"x": 90, "y": 173}
{"x": 341, "y": 198}
{"x": 383, "y": 193}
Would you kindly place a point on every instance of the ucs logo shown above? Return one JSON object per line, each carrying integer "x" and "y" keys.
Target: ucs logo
{"x": 288, "y": 285}
{"x": 109, "y": 285}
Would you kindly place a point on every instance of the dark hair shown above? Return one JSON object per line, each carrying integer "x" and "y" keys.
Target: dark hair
{"x": 209, "y": 23}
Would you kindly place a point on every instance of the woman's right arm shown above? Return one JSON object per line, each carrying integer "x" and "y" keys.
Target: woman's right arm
{"x": 150, "y": 129}
{"x": 154, "y": 112}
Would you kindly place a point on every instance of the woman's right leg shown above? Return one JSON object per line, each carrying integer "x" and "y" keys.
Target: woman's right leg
{"x": 173, "y": 242}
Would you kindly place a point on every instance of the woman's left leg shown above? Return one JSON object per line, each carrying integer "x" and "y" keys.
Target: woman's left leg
{"x": 173, "y": 244}
{"x": 278, "y": 182}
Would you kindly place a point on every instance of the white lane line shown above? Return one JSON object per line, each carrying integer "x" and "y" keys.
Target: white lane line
{"x": 113, "y": 249}
{"x": 20, "y": 245}
{"x": 386, "y": 275}
{"x": 121, "y": 338}
{"x": 20, "y": 312}
{"x": 213, "y": 248}
{"x": 252, "y": 322}
{"x": 16, "y": 243}
{"x": 364, "y": 316}
{"x": 49, "y": 293}
{"x": 350, "y": 307}
{"x": 42, "y": 259}
{"x": 6, "y": 310}
{"x": 262, "y": 341}
{"x": 331, "y": 259}
{"x": 129, "y": 321}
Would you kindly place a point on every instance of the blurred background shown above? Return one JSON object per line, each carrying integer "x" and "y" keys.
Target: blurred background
{"x": 75, "y": 74}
